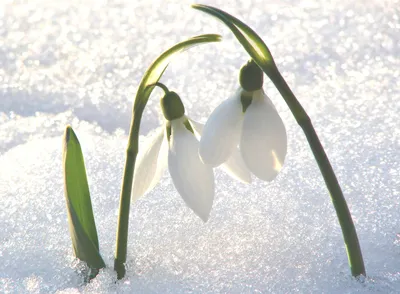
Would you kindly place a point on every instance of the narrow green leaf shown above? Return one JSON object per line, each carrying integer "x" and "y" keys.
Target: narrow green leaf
{"x": 79, "y": 206}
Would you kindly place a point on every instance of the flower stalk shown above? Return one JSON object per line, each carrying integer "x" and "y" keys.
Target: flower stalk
{"x": 261, "y": 55}
{"x": 150, "y": 78}
{"x": 352, "y": 244}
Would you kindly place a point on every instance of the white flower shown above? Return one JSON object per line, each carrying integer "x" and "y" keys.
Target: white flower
{"x": 193, "y": 179}
{"x": 257, "y": 129}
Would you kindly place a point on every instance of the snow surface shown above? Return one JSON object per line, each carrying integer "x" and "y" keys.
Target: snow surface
{"x": 80, "y": 62}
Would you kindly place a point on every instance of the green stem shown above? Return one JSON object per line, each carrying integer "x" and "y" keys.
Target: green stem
{"x": 346, "y": 223}
{"x": 125, "y": 201}
{"x": 146, "y": 86}
{"x": 260, "y": 53}
{"x": 162, "y": 86}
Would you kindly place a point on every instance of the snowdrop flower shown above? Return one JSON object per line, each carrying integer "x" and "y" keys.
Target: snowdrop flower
{"x": 175, "y": 145}
{"x": 250, "y": 120}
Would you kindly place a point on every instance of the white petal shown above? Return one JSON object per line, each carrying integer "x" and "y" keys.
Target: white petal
{"x": 193, "y": 179}
{"x": 221, "y": 132}
{"x": 263, "y": 143}
{"x": 197, "y": 127}
{"x": 235, "y": 165}
{"x": 260, "y": 95}
{"x": 150, "y": 164}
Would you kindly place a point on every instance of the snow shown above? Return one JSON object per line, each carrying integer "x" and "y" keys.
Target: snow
{"x": 80, "y": 62}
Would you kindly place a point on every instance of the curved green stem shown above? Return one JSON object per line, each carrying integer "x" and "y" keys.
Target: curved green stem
{"x": 163, "y": 87}
{"x": 260, "y": 53}
{"x": 150, "y": 78}
{"x": 339, "y": 202}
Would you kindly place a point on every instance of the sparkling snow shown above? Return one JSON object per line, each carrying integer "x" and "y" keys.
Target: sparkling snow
{"x": 80, "y": 62}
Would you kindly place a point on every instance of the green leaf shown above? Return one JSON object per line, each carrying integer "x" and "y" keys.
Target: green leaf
{"x": 157, "y": 68}
{"x": 79, "y": 206}
{"x": 251, "y": 42}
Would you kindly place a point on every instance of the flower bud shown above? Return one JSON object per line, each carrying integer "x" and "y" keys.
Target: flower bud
{"x": 172, "y": 106}
{"x": 251, "y": 77}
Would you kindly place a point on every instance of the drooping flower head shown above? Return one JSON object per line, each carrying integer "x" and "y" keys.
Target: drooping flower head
{"x": 250, "y": 120}
{"x": 176, "y": 145}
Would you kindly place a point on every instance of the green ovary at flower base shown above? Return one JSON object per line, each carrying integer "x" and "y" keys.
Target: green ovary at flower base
{"x": 176, "y": 145}
{"x": 250, "y": 120}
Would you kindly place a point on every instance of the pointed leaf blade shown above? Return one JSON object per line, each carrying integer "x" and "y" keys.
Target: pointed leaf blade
{"x": 79, "y": 206}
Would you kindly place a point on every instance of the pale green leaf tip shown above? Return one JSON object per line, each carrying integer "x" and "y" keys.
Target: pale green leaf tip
{"x": 70, "y": 136}
{"x": 67, "y": 134}
{"x": 70, "y": 139}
